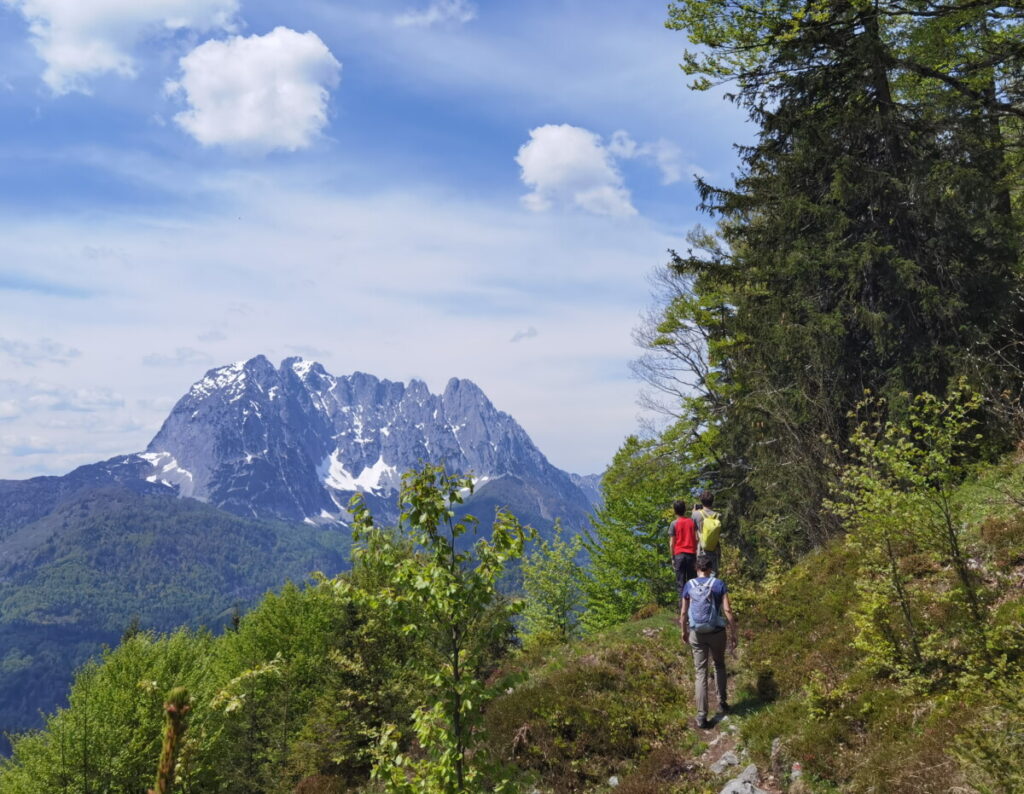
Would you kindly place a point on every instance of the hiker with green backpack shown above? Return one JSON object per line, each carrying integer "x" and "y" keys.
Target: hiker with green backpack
{"x": 708, "y": 626}
{"x": 709, "y": 527}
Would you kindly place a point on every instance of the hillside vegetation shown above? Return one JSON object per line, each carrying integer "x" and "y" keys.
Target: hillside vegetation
{"x": 110, "y": 561}
{"x": 324, "y": 688}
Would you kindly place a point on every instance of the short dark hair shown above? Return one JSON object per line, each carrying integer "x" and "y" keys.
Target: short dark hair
{"x": 704, "y": 563}
{"x": 707, "y": 498}
{"x": 680, "y": 507}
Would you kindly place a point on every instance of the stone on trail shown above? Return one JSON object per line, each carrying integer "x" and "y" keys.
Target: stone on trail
{"x": 727, "y": 760}
{"x": 745, "y": 783}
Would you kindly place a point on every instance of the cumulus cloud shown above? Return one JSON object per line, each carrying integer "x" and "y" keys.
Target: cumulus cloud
{"x": 257, "y": 93}
{"x": 571, "y": 165}
{"x": 39, "y": 352}
{"x": 21, "y": 398}
{"x": 180, "y": 357}
{"x": 9, "y": 410}
{"x": 82, "y": 39}
{"x": 664, "y": 154}
{"x": 439, "y": 11}
{"x": 519, "y": 336}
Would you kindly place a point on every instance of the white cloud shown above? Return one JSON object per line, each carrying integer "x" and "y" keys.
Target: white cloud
{"x": 23, "y": 446}
{"x": 439, "y": 313}
{"x": 182, "y": 356}
{"x": 81, "y": 39}
{"x": 519, "y": 336}
{"x": 9, "y": 410}
{"x": 259, "y": 92}
{"x": 437, "y": 12}
{"x": 42, "y": 351}
{"x": 570, "y": 165}
{"x": 19, "y": 398}
{"x": 663, "y": 153}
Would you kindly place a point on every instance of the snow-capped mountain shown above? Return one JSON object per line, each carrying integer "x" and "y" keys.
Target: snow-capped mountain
{"x": 295, "y": 442}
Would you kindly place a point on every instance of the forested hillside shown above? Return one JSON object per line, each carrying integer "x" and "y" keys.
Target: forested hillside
{"x": 110, "y": 561}
{"x": 840, "y": 359}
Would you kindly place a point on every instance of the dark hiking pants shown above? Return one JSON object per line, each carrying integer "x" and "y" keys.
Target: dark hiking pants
{"x": 686, "y": 569}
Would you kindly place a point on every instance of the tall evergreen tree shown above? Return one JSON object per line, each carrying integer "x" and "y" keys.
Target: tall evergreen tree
{"x": 867, "y": 242}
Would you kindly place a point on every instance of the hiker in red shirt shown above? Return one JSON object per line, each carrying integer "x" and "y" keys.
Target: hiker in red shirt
{"x": 682, "y": 545}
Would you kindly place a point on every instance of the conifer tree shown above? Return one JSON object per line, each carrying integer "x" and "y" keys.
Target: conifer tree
{"x": 866, "y": 243}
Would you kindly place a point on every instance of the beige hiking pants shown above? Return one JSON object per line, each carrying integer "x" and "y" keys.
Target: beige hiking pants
{"x": 704, "y": 646}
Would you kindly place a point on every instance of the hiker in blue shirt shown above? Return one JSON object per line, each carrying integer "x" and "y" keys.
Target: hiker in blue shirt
{"x": 708, "y": 624}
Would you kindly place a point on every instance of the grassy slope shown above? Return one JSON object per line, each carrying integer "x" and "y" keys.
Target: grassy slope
{"x": 620, "y": 702}
{"x": 861, "y": 733}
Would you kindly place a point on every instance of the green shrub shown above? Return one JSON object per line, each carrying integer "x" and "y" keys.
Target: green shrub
{"x": 668, "y": 771}
{"x": 597, "y": 706}
{"x": 992, "y": 746}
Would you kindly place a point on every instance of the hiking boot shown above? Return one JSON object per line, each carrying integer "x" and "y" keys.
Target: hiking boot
{"x": 702, "y": 723}
{"x": 723, "y": 709}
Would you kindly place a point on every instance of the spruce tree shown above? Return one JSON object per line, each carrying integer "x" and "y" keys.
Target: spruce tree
{"x": 866, "y": 244}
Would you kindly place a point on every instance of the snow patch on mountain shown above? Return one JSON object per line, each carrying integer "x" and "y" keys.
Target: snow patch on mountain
{"x": 232, "y": 376}
{"x": 380, "y": 477}
{"x": 169, "y": 472}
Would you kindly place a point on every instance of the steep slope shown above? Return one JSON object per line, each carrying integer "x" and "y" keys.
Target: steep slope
{"x": 109, "y": 557}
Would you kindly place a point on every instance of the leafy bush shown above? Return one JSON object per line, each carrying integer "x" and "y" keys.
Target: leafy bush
{"x": 594, "y": 707}
{"x": 553, "y": 594}
{"x": 992, "y": 747}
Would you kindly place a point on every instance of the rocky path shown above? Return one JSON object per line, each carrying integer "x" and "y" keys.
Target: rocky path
{"x": 726, "y": 758}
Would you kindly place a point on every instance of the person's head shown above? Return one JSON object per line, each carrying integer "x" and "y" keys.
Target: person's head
{"x": 679, "y": 506}
{"x": 707, "y": 499}
{"x": 704, "y": 564}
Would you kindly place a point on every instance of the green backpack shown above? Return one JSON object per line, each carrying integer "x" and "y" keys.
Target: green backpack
{"x": 710, "y": 529}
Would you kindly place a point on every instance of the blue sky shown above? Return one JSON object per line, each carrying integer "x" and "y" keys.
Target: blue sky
{"x": 412, "y": 188}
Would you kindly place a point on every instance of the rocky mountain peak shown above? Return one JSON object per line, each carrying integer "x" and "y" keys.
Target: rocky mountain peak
{"x": 295, "y": 442}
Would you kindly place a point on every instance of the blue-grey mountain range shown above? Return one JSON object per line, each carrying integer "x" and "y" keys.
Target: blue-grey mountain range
{"x": 294, "y": 443}
{"x": 245, "y": 485}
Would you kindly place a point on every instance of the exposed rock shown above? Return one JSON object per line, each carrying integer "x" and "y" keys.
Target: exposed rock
{"x": 745, "y": 783}
{"x": 590, "y": 484}
{"x": 729, "y": 759}
{"x": 295, "y": 442}
{"x": 777, "y": 762}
